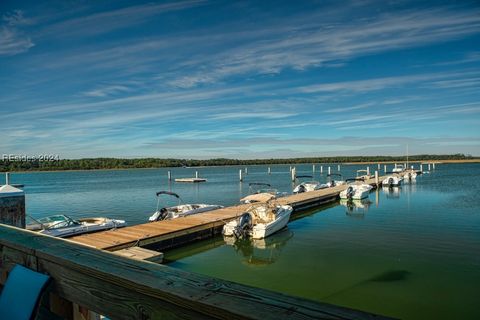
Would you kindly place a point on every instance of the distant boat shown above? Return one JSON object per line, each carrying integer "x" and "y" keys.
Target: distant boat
{"x": 307, "y": 186}
{"x": 392, "y": 181}
{"x": 261, "y": 192}
{"x": 259, "y": 221}
{"x": 180, "y": 210}
{"x": 332, "y": 182}
{"x": 63, "y": 226}
{"x": 398, "y": 168}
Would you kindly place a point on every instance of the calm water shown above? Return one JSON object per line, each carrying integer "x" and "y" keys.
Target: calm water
{"x": 413, "y": 253}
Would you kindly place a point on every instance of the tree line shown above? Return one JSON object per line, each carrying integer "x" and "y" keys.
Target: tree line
{"x": 116, "y": 163}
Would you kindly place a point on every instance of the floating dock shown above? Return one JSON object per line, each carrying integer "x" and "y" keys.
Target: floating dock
{"x": 191, "y": 180}
{"x": 168, "y": 234}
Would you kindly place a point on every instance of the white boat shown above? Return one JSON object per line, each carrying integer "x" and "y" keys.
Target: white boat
{"x": 261, "y": 194}
{"x": 63, "y": 226}
{"x": 356, "y": 191}
{"x": 392, "y": 181}
{"x": 410, "y": 175}
{"x": 259, "y": 221}
{"x": 398, "y": 168}
{"x": 307, "y": 186}
{"x": 180, "y": 210}
{"x": 332, "y": 182}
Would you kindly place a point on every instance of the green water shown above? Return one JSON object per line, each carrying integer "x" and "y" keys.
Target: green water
{"x": 412, "y": 254}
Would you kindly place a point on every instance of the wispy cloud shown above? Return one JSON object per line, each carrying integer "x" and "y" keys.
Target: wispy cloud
{"x": 12, "y": 39}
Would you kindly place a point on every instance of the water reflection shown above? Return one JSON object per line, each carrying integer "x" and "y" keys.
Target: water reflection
{"x": 392, "y": 192}
{"x": 261, "y": 252}
{"x": 356, "y": 208}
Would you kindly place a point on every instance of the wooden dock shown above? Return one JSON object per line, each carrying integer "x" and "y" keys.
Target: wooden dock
{"x": 168, "y": 234}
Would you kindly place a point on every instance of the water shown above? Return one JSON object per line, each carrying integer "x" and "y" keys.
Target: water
{"x": 412, "y": 254}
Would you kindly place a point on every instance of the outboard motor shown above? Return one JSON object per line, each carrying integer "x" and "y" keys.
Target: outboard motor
{"x": 244, "y": 226}
{"x": 350, "y": 192}
{"x": 301, "y": 189}
{"x": 390, "y": 182}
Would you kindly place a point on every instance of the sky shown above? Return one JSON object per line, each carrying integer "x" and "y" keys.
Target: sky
{"x": 239, "y": 79}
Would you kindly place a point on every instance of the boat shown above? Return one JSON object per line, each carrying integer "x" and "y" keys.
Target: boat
{"x": 356, "y": 191}
{"x": 180, "y": 210}
{"x": 410, "y": 174}
{"x": 398, "y": 168}
{"x": 392, "y": 181}
{"x": 332, "y": 182}
{"x": 307, "y": 186}
{"x": 63, "y": 226}
{"x": 364, "y": 174}
{"x": 259, "y": 221}
{"x": 261, "y": 194}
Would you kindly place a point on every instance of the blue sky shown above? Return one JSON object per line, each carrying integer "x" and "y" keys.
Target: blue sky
{"x": 202, "y": 79}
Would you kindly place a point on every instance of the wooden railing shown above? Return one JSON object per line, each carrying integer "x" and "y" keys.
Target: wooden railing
{"x": 122, "y": 288}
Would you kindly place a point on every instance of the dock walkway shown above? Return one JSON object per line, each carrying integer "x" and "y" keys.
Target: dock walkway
{"x": 176, "y": 232}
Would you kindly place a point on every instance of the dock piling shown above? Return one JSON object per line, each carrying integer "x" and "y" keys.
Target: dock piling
{"x": 329, "y": 170}
{"x": 246, "y": 170}
{"x": 294, "y": 174}
{"x": 429, "y": 168}
{"x": 269, "y": 170}
{"x": 368, "y": 171}
{"x": 378, "y": 167}
{"x": 376, "y": 178}
{"x": 7, "y": 178}
{"x": 321, "y": 169}
{"x": 196, "y": 174}
{"x": 385, "y": 168}
{"x": 433, "y": 164}
{"x": 421, "y": 167}
{"x": 338, "y": 167}
{"x": 240, "y": 175}
{"x": 313, "y": 168}
{"x": 169, "y": 174}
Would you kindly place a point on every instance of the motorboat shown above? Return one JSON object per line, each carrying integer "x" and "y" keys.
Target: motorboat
{"x": 259, "y": 221}
{"x": 180, "y": 210}
{"x": 261, "y": 194}
{"x": 63, "y": 226}
{"x": 398, "y": 168}
{"x": 410, "y": 174}
{"x": 364, "y": 174}
{"x": 307, "y": 186}
{"x": 332, "y": 182}
{"x": 392, "y": 181}
{"x": 356, "y": 191}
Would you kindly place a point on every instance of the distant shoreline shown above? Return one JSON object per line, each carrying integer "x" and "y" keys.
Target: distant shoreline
{"x": 446, "y": 161}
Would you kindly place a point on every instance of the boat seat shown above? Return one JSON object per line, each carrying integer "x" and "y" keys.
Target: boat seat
{"x": 21, "y": 294}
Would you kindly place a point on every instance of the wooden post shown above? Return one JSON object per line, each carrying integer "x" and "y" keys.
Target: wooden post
{"x": 169, "y": 173}
{"x": 376, "y": 178}
{"x": 329, "y": 170}
{"x": 294, "y": 174}
{"x": 12, "y": 206}
{"x": 240, "y": 175}
{"x": 196, "y": 174}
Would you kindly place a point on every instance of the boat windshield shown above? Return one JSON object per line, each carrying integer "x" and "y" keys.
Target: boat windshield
{"x": 58, "y": 221}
